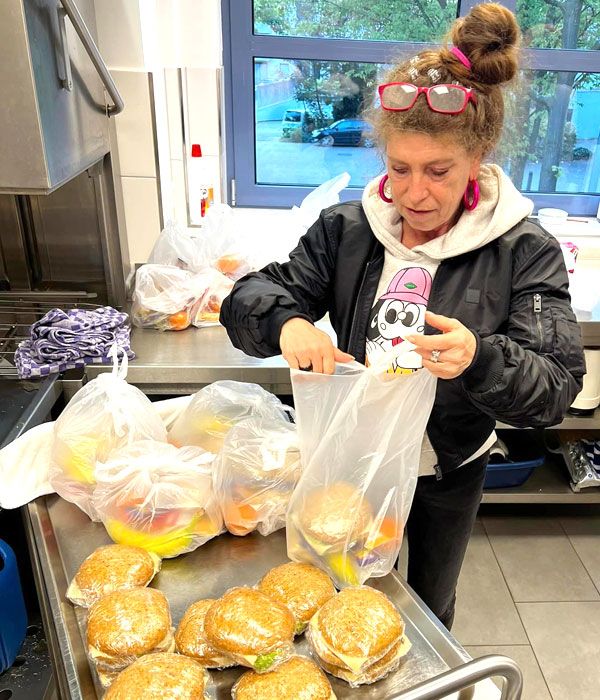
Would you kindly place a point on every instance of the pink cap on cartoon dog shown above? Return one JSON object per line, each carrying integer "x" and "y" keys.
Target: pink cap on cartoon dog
{"x": 411, "y": 284}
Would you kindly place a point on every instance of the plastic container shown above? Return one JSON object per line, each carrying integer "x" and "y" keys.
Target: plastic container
{"x": 13, "y": 617}
{"x": 525, "y": 454}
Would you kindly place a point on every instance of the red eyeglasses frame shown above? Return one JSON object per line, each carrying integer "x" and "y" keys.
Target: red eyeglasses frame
{"x": 468, "y": 92}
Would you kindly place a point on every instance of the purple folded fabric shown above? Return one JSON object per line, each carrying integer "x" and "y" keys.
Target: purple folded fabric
{"x": 70, "y": 339}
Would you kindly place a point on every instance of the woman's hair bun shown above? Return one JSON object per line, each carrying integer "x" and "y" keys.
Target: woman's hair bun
{"x": 489, "y": 36}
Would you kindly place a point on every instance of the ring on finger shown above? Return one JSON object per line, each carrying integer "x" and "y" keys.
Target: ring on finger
{"x": 308, "y": 368}
{"x": 435, "y": 355}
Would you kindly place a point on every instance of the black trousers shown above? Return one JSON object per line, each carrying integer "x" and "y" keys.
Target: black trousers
{"x": 438, "y": 530}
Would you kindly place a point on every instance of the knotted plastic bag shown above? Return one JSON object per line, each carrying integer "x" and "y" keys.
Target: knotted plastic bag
{"x": 360, "y": 440}
{"x": 255, "y": 474}
{"x": 166, "y": 297}
{"x": 152, "y": 495}
{"x": 105, "y": 414}
{"x": 216, "y": 408}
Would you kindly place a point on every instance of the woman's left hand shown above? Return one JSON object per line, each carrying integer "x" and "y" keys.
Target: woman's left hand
{"x": 454, "y": 348}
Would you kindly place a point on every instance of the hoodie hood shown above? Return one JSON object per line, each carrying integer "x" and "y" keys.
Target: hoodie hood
{"x": 501, "y": 206}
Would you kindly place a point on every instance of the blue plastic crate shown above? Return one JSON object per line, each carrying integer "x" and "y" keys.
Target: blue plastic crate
{"x": 13, "y": 617}
{"x": 507, "y": 474}
{"x": 526, "y": 453}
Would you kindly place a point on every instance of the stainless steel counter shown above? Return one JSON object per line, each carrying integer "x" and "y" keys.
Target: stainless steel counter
{"x": 61, "y": 536}
{"x": 185, "y": 361}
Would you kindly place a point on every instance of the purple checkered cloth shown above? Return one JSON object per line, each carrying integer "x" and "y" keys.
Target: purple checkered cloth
{"x": 70, "y": 339}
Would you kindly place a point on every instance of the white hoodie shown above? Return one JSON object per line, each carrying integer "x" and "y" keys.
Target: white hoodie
{"x": 407, "y": 275}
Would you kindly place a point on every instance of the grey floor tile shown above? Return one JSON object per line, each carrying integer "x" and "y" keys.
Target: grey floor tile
{"x": 534, "y": 685}
{"x": 485, "y": 612}
{"x": 538, "y": 560}
{"x": 584, "y": 533}
{"x": 565, "y": 638}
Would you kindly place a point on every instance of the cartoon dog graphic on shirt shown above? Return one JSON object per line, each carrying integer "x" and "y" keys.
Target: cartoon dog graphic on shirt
{"x": 398, "y": 313}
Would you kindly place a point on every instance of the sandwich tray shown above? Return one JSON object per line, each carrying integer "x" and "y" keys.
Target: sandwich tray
{"x": 61, "y": 537}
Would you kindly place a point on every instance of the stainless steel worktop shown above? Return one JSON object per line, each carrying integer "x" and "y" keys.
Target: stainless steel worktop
{"x": 61, "y": 536}
{"x": 182, "y": 362}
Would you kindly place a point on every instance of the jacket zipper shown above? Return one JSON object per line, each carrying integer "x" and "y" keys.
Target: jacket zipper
{"x": 356, "y": 309}
{"x": 537, "y": 310}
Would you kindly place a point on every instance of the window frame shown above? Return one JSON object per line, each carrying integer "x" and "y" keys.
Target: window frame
{"x": 241, "y": 46}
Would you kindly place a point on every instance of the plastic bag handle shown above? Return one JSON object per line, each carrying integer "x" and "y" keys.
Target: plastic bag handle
{"x": 119, "y": 371}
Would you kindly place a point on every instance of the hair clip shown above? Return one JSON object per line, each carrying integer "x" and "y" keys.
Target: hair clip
{"x": 434, "y": 75}
{"x": 413, "y": 73}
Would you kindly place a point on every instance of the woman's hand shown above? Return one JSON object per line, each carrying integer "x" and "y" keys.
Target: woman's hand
{"x": 305, "y": 347}
{"x": 454, "y": 348}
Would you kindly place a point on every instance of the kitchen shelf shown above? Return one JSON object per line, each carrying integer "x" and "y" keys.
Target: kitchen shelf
{"x": 549, "y": 483}
{"x": 570, "y": 422}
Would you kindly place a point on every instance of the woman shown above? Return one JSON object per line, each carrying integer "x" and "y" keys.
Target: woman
{"x": 440, "y": 253}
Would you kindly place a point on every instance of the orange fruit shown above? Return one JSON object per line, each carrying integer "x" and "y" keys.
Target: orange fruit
{"x": 228, "y": 264}
{"x": 179, "y": 321}
{"x": 240, "y": 519}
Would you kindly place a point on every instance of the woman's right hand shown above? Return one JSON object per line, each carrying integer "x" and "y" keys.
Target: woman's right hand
{"x": 304, "y": 346}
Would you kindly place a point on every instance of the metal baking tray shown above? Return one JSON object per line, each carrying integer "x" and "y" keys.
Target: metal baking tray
{"x": 61, "y": 537}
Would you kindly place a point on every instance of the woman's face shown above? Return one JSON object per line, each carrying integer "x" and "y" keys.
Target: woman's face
{"x": 428, "y": 177}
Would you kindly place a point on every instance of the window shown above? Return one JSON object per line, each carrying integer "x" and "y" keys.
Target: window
{"x": 300, "y": 72}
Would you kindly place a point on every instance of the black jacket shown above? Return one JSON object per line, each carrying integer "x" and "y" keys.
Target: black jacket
{"x": 512, "y": 293}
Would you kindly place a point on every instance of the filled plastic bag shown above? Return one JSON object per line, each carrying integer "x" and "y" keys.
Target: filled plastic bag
{"x": 208, "y": 306}
{"x": 255, "y": 474}
{"x": 177, "y": 248}
{"x": 105, "y": 414}
{"x": 218, "y": 407}
{"x": 165, "y": 297}
{"x": 224, "y": 245}
{"x": 152, "y": 495}
{"x": 360, "y": 439}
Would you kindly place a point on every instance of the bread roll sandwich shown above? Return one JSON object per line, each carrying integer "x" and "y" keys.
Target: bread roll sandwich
{"x": 125, "y": 625}
{"x": 358, "y": 635}
{"x": 301, "y": 587}
{"x": 190, "y": 638}
{"x": 109, "y": 569}
{"x": 328, "y": 528}
{"x": 296, "y": 678}
{"x": 162, "y": 676}
{"x": 257, "y": 631}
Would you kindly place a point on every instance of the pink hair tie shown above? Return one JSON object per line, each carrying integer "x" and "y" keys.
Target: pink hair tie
{"x": 461, "y": 57}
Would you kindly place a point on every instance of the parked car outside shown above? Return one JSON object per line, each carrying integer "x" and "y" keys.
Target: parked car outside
{"x": 344, "y": 132}
{"x": 294, "y": 119}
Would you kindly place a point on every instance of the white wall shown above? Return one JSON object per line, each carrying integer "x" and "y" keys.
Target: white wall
{"x": 144, "y": 43}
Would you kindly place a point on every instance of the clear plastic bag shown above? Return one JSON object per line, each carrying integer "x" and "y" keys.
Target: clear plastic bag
{"x": 208, "y": 306}
{"x": 252, "y": 628}
{"x": 255, "y": 474}
{"x": 105, "y": 414}
{"x": 360, "y": 439}
{"x": 166, "y": 297}
{"x": 177, "y": 248}
{"x": 225, "y": 245}
{"x": 112, "y": 568}
{"x": 125, "y": 625}
{"x": 152, "y": 495}
{"x": 218, "y": 407}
